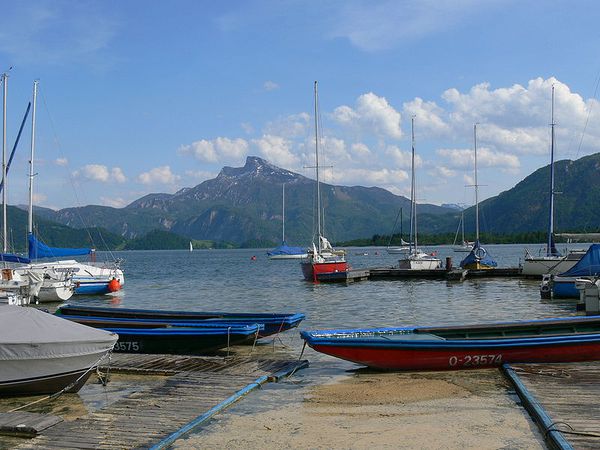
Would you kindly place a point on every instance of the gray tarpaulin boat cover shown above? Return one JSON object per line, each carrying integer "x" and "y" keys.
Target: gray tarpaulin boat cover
{"x": 27, "y": 333}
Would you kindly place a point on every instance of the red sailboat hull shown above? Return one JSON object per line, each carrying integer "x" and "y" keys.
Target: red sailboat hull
{"x": 312, "y": 270}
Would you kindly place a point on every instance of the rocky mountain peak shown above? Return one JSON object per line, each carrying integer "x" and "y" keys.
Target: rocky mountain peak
{"x": 258, "y": 168}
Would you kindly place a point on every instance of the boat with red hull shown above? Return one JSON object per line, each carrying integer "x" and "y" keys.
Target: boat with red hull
{"x": 312, "y": 269}
{"x": 571, "y": 339}
{"x": 322, "y": 259}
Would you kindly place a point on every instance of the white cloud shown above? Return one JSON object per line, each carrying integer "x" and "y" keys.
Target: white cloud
{"x": 118, "y": 175}
{"x": 61, "y": 162}
{"x": 465, "y": 158}
{"x": 199, "y": 175}
{"x": 400, "y": 158}
{"x": 292, "y": 126}
{"x": 115, "y": 202}
{"x": 277, "y": 150}
{"x": 442, "y": 172}
{"x": 158, "y": 175}
{"x": 221, "y": 149}
{"x": 372, "y": 114}
{"x": 39, "y": 198}
{"x": 429, "y": 120}
{"x": 100, "y": 173}
{"x": 370, "y": 177}
{"x": 386, "y": 24}
{"x": 270, "y": 86}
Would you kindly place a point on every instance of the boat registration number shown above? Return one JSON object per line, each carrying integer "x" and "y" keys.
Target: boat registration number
{"x": 474, "y": 360}
{"x": 127, "y": 346}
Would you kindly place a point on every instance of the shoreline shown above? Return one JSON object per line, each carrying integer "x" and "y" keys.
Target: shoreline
{"x": 365, "y": 410}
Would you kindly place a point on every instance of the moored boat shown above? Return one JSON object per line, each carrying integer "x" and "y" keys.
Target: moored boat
{"x": 182, "y": 340}
{"x": 415, "y": 258}
{"x": 43, "y": 354}
{"x": 478, "y": 258}
{"x": 269, "y": 323}
{"x": 478, "y": 346}
{"x": 322, "y": 258}
{"x": 563, "y": 285}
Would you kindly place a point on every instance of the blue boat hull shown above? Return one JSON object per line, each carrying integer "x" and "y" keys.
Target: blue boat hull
{"x": 92, "y": 288}
{"x": 564, "y": 288}
{"x": 269, "y": 323}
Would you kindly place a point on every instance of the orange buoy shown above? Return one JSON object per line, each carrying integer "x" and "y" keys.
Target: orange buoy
{"x": 114, "y": 285}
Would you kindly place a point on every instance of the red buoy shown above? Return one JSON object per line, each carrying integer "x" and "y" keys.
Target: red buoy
{"x": 114, "y": 285}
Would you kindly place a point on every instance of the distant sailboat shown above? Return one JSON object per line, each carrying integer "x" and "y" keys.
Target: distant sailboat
{"x": 404, "y": 246}
{"x": 465, "y": 246}
{"x": 477, "y": 258}
{"x": 416, "y": 259}
{"x": 191, "y": 247}
{"x": 284, "y": 251}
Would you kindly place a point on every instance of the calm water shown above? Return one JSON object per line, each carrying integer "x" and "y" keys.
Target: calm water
{"x": 229, "y": 280}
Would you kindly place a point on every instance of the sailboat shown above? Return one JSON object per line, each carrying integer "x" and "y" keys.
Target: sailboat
{"x": 284, "y": 251}
{"x": 416, "y": 259}
{"x": 404, "y": 246}
{"x": 321, "y": 258}
{"x": 87, "y": 278}
{"x": 465, "y": 246}
{"x": 191, "y": 247}
{"x": 477, "y": 258}
{"x": 553, "y": 262}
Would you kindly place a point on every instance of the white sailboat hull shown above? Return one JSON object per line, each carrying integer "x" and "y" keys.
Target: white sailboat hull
{"x": 536, "y": 267}
{"x": 420, "y": 261}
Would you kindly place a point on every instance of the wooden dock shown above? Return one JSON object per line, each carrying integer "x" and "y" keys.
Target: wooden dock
{"x": 194, "y": 389}
{"x": 562, "y": 399}
{"x": 383, "y": 273}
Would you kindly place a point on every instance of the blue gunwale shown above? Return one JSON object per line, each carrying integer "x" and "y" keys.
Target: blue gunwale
{"x": 427, "y": 338}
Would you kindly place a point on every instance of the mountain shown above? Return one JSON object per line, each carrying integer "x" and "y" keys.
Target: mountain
{"x": 525, "y": 206}
{"x": 243, "y": 205}
{"x": 55, "y": 234}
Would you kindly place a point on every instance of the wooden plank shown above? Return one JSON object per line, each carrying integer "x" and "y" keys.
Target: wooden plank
{"x": 147, "y": 416}
{"x": 569, "y": 395}
{"x": 25, "y": 423}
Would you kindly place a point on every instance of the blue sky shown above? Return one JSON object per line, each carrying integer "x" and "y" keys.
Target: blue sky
{"x": 139, "y": 97}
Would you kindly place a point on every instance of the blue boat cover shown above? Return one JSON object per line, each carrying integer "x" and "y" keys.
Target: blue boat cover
{"x": 9, "y": 257}
{"x": 38, "y": 249}
{"x": 285, "y": 249}
{"x": 478, "y": 254}
{"x": 588, "y": 265}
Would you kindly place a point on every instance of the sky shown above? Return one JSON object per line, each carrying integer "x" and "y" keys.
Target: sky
{"x": 139, "y": 97}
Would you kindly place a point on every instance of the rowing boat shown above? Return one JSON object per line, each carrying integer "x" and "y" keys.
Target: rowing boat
{"x": 269, "y": 323}
{"x": 463, "y": 347}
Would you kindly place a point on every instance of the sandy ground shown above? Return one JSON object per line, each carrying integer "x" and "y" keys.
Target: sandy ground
{"x": 463, "y": 409}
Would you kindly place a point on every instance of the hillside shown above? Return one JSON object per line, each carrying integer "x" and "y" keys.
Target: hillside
{"x": 243, "y": 205}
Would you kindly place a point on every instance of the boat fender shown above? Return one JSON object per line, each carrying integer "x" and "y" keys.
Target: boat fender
{"x": 114, "y": 285}
{"x": 480, "y": 253}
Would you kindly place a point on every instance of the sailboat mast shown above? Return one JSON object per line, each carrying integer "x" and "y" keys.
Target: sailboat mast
{"x": 31, "y": 174}
{"x": 550, "y": 246}
{"x": 317, "y": 165}
{"x": 476, "y": 185}
{"x": 5, "y": 92}
{"x": 283, "y": 213}
{"x": 413, "y": 212}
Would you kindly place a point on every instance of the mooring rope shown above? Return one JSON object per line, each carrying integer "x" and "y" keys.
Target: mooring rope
{"x": 571, "y": 430}
{"x": 254, "y": 342}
